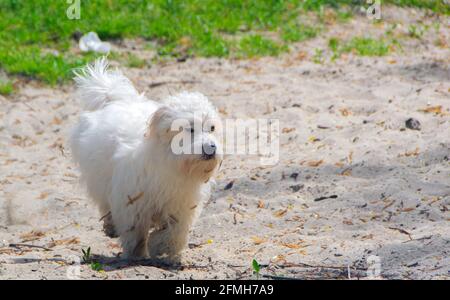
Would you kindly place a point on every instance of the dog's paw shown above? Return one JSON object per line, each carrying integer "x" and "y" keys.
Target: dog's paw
{"x": 109, "y": 229}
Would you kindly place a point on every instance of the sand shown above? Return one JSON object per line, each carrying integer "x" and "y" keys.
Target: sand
{"x": 343, "y": 135}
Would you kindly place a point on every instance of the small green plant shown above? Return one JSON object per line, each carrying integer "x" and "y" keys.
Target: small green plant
{"x": 86, "y": 255}
{"x": 391, "y": 29}
{"x": 96, "y": 266}
{"x": 256, "y": 267}
{"x": 6, "y": 88}
{"x": 333, "y": 44}
{"x": 318, "y": 56}
{"x": 87, "y": 259}
{"x": 415, "y": 31}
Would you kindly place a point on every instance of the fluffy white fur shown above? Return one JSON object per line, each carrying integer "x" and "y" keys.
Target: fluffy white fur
{"x": 147, "y": 195}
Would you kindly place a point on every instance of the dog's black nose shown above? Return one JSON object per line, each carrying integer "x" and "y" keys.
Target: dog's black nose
{"x": 209, "y": 150}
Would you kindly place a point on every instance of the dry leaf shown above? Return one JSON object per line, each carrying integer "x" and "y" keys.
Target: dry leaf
{"x": 301, "y": 55}
{"x": 367, "y": 237}
{"x": 350, "y": 157}
{"x": 280, "y": 213}
{"x": 69, "y": 241}
{"x": 258, "y": 240}
{"x": 432, "y": 109}
{"x": 292, "y": 246}
{"x": 388, "y": 205}
{"x": 347, "y": 222}
{"x": 347, "y": 172}
{"x": 223, "y": 110}
{"x": 32, "y": 235}
{"x": 315, "y": 163}
{"x": 70, "y": 175}
{"x": 56, "y": 121}
{"x": 185, "y": 41}
{"x": 278, "y": 258}
{"x": 339, "y": 164}
{"x": 43, "y": 195}
{"x": 114, "y": 246}
{"x": 302, "y": 252}
{"x": 414, "y": 152}
{"x": 287, "y": 130}
{"x": 345, "y": 112}
{"x": 406, "y": 209}
{"x": 260, "y": 204}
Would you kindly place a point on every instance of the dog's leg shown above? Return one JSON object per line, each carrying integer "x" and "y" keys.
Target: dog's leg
{"x": 134, "y": 244}
{"x": 134, "y": 240}
{"x": 108, "y": 226}
{"x": 170, "y": 239}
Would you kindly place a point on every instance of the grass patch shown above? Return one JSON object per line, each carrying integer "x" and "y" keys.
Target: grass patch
{"x": 257, "y": 45}
{"x": 134, "y": 61}
{"x": 6, "y": 88}
{"x": 417, "y": 31}
{"x": 294, "y": 32}
{"x": 361, "y": 46}
{"x": 437, "y": 6}
{"x": 36, "y": 37}
{"x": 318, "y": 56}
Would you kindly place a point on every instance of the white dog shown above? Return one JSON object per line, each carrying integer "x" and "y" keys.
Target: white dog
{"x": 147, "y": 193}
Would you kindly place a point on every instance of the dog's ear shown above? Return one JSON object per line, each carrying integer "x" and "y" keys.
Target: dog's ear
{"x": 160, "y": 121}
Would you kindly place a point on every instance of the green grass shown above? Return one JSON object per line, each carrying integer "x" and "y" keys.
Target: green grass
{"x": 295, "y": 32}
{"x": 134, "y": 61}
{"x": 36, "y": 37}
{"x": 417, "y": 31}
{"x": 437, "y": 6}
{"x": 362, "y": 46}
{"x": 6, "y": 88}
{"x": 318, "y": 56}
{"x": 256, "y": 45}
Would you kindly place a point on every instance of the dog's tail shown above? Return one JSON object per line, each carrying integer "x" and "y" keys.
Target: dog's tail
{"x": 96, "y": 86}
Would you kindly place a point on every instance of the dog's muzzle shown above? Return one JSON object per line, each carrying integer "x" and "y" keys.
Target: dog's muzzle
{"x": 209, "y": 151}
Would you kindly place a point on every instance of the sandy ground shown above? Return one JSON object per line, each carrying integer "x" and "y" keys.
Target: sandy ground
{"x": 343, "y": 134}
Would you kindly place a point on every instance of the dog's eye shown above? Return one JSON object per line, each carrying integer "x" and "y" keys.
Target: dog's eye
{"x": 213, "y": 128}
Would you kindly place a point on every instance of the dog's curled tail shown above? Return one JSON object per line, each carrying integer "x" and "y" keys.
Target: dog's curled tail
{"x": 96, "y": 86}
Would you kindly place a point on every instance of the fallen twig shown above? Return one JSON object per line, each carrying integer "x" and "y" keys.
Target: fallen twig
{"x": 326, "y": 197}
{"x": 402, "y": 231}
{"x": 29, "y": 246}
{"x": 388, "y": 205}
{"x": 420, "y": 239}
{"x": 131, "y": 200}
{"x": 156, "y": 84}
{"x": 276, "y": 277}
